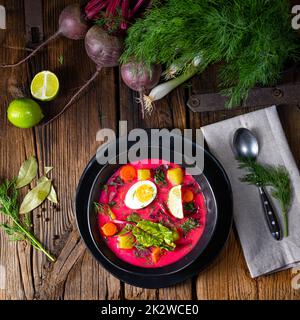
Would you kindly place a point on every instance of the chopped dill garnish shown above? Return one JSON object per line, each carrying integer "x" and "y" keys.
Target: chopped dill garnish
{"x": 189, "y": 225}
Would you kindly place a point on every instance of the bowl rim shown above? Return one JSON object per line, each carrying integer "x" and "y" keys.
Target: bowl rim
{"x": 154, "y": 270}
{"x": 213, "y": 249}
{"x": 201, "y": 243}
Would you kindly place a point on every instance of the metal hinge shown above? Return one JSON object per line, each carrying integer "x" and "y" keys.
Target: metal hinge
{"x": 34, "y": 22}
{"x": 258, "y": 97}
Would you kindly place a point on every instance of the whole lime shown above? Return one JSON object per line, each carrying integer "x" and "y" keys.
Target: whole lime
{"x": 24, "y": 113}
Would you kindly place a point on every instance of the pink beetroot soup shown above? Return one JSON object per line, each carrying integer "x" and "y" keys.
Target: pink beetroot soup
{"x": 113, "y": 194}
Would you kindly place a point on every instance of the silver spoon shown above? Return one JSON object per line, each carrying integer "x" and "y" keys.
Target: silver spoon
{"x": 245, "y": 145}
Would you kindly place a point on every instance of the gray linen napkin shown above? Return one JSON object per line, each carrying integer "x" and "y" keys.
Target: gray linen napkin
{"x": 263, "y": 254}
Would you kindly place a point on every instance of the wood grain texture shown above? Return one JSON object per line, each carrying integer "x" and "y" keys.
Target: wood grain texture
{"x": 68, "y": 144}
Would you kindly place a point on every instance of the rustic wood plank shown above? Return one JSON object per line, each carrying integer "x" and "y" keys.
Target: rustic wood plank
{"x": 227, "y": 277}
{"x": 101, "y": 107}
{"x": 15, "y": 257}
{"x": 68, "y": 143}
{"x": 59, "y": 145}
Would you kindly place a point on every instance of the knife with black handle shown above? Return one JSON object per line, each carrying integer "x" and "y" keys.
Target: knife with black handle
{"x": 270, "y": 215}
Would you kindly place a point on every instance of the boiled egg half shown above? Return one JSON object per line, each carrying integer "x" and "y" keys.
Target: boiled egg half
{"x": 140, "y": 195}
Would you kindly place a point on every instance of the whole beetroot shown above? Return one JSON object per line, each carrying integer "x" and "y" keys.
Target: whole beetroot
{"x": 105, "y": 50}
{"x": 139, "y": 78}
{"x": 71, "y": 25}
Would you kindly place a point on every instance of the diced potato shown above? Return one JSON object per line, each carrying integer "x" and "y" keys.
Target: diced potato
{"x": 175, "y": 235}
{"x": 144, "y": 174}
{"x": 175, "y": 176}
{"x": 126, "y": 242}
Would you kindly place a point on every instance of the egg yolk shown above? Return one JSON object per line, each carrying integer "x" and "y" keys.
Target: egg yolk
{"x": 144, "y": 193}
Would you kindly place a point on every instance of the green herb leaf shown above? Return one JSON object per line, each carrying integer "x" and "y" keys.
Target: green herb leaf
{"x": 35, "y": 197}
{"x": 17, "y": 230}
{"x": 99, "y": 207}
{"x": 252, "y": 38}
{"x": 133, "y": 217}
{"x": 159, "y": 176}
{"x": 141, "y": 252}
{"x": 150, "y": 234}
{"x": 112, "y": 203}
{"x": 102, "y": 208}
{"x": 61, "y": 59}
{"x": 48, "y": 169}
{"x": 125, "y": 230}
{"x": 189, "y": 225}
{"x": 27, "y": 172}
{"x": 104, "y": 187}
{"x": 277, "y": 178}
{"x": 116, "y": 182}
{"x": 189, "y": 207}
{"x": 52, "y": 194}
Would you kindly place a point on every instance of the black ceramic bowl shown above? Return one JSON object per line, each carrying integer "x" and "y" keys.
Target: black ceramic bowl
{"x": 217, "y": 193}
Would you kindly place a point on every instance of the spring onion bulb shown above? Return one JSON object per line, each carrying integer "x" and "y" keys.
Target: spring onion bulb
{"x": 163, "y": 89}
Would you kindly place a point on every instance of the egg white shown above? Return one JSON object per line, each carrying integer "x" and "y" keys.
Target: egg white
{"x": 130, "y": 199}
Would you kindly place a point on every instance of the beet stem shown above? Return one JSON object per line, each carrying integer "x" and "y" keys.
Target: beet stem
{"x": 94, "y": 76}
{"x": 137, "y": 6}
{"x": 55, "y": 35}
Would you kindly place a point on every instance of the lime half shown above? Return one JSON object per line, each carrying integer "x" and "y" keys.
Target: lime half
{"x": 24, "y": 113}
{"x": 44, "y": 86}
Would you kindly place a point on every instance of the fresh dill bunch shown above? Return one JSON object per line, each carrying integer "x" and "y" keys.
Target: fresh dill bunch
{"x": 252, "y": 37}
{"x": 270, "y": 176}
{"x": 18, "y": 229}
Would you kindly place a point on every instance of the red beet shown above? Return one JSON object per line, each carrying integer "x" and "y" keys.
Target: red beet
{"x": 71, "y": 26}
{"x": 140, "y": 78}
{"x": 105, "y": 50}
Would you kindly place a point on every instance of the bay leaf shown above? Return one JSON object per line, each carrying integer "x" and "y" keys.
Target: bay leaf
{"x": 27, "y": 172}
{"x": 35, "y": 197}
{"x": 52, "y": 194}
{"x": 48, "y": 169}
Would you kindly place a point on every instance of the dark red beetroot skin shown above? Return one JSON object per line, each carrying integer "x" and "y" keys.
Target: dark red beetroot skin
{"x": 138, "y": 78}
{"x": 71, "y": 23}
{"x": 104, "y": 49}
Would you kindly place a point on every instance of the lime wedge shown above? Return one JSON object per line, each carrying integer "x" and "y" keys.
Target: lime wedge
{"x": 44, "y": 86}
{"x": 175, "y": 202}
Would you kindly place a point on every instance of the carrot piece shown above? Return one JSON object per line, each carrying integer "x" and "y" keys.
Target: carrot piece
{"x": 156, "y": 253}
{"x": 187, "y": 196}
{"x": 128, "y": 173}
{"x": 109, "y": 229}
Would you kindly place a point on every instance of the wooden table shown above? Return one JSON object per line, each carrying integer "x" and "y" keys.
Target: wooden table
{"x": 69, "y": 143}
